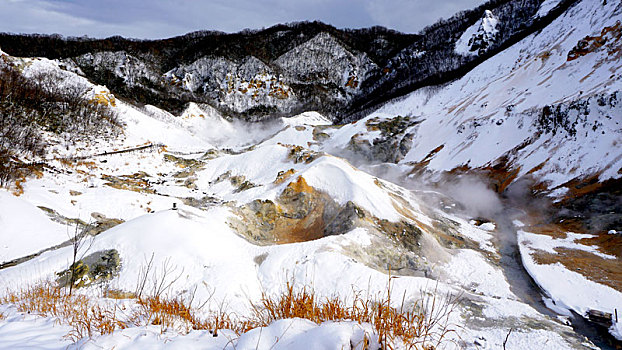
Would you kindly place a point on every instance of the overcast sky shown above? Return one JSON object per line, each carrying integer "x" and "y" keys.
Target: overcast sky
{"x": 166, "y": 18}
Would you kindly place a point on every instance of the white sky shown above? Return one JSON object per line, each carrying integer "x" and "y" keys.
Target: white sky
{"x": 162, "y": 18}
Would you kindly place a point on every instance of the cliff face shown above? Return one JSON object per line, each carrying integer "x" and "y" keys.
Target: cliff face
{"x": 291, "y": 68}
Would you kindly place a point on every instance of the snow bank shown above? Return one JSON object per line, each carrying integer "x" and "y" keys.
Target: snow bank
{"x": 568, "y": 289}
{"x": 26, "y": 229}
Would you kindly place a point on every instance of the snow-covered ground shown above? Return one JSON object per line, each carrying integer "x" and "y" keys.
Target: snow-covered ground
{"x": 213, "y": 257}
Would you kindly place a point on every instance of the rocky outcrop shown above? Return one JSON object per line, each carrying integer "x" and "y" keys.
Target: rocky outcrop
{"x": 485, "y": 35}
{"x": 609, "y": 39}
{"x": 302, "y": 213}
{"x": 94, "y": 268}
{"x": 323, "y": 60}
{"x": 391, "y": 145}
{"x": 123, "y": 66}
{"x": 239, "y": 86}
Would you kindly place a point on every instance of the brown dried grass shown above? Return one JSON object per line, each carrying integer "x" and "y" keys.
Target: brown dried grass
{"x": 78, "y": 311}
{"x": 424, "y": 325}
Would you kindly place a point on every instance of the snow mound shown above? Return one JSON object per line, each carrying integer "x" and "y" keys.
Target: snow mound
{"x": 25, "y": 228}
{"x": 307, "y": 118}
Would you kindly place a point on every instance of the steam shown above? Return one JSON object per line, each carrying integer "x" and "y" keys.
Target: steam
{"x": 238, "y": 133}
{"x": 475, "y": 196}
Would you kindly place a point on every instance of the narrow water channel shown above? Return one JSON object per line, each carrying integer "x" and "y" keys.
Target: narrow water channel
{"x": 525, "y": 288}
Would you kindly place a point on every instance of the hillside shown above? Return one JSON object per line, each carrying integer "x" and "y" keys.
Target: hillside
{"x": 286, "y": 69}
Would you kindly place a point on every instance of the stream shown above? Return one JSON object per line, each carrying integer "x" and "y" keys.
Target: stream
{"x": 528, "y": 291}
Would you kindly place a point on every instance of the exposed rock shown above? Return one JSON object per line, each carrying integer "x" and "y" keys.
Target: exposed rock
{"x": 318, "y": 133}
{"x": 299, "y": 154}
{"x": 101, "y": 225}
{"x": 609, "y": 38}
{"x": 137, "y": 182}
{"x": 283, "y": 176}
{"x": 325, "y": 61}
{"x": 95, "y": 268}
{"x": 345, "y": 220}
{"x": 130, "y": 69}
{"x": 201, "y": 203}
{"x": 392, "y": 145}
{"x": 240, "y": 86}
{"x": 184, "y": 162}
{"x": 486, "y": 33}
{"x": 238, "y": 181}
{"x": 302, "y": 213}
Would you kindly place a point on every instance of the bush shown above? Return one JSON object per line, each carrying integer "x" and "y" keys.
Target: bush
{"x": 29, "y": 106}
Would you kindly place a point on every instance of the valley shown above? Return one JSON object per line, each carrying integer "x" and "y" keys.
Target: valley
{"x": 486, "y": 206}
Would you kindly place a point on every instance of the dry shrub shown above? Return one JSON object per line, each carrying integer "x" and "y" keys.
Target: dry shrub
{"x": 424, "y": 325}
{"x": 168, "y": 313}
{"x": 86, "y": 317}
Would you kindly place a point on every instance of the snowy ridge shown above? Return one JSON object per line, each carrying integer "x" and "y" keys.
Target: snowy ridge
{"x": 499, "y": 110}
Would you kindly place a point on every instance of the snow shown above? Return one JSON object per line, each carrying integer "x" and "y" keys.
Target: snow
{"x": 19, "y": 331}
{"x": 568, "y": 289}
{"x": 488, "y": 226}
{"x": 546, "y": 7}
{"x": 471, "y": 270}
{"x": 26, "y": 229}
{"x": 307, "y": 118}
{"x": 304, "y": 334}
{"x": 486, "y": 27}
{"x": 480, "y": 234}
{"x": 478, "y": 118}
{"x": 346, "y": 183}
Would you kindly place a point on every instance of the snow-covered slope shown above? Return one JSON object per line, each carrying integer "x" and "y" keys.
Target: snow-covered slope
{"x": 530, "y": 108}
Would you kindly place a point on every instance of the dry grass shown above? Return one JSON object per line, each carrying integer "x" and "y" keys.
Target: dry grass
{"x": 423, "y": 325}
{"x": 80, "y": 312}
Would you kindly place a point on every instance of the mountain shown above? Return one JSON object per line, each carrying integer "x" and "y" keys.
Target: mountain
{"x": 285, "y": 69}
{"x": 464, "y": 180}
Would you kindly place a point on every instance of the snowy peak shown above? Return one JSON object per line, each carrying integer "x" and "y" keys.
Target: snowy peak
{"x": 477, "y": 38}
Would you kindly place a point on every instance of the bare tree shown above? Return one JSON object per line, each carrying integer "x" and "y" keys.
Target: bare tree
{"x": 79, "y": 244}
